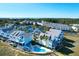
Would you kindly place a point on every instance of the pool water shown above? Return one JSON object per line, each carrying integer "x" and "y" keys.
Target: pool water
{"x": 38, "y": 49}
{"x": 34, "y": 48}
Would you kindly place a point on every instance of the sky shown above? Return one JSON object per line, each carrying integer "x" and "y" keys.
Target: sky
{"x": 39, "y": 10}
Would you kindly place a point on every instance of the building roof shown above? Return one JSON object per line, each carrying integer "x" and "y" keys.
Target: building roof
{"x": 20, "y": 37}
{"x": 54, "y": 32}
{"x": 57, "y": 26}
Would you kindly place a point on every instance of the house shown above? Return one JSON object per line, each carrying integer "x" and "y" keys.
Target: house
{"x": 7, "y": 28}
{"x": 3, "y": 34}
{"x": 40, "y": 23}
{"x": 54, "y": 38}
{"x": 75, "y": 28}
{"x": 20, "y": 37}
{"x": 57, "y": 26}
{"x": 74, "y": 24}
{"x": 32, "y": 22}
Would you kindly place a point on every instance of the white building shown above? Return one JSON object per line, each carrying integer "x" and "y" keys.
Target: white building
{"x": 57, "y": 26}
{"x": 55, "y": 38}
{"x": 20, "y": 37}
{"x": 74, "y": 24}
{"x": 17, "y": 36}
{"x": 75, "y": 28}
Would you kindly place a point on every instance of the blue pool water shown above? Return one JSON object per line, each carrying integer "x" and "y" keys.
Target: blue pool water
{"x": 34, "y": 48}
{"x": 39, "y": 50}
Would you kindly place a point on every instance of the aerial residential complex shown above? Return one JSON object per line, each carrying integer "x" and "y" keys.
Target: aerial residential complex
{"x": 45, "y": 41}
{"x": 37, "y": 37}
{"x": 39, "y": 29}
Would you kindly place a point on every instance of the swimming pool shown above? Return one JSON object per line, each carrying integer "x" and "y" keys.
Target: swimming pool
{"x": 37, "y": 48}
{"x": 40, "y": 50}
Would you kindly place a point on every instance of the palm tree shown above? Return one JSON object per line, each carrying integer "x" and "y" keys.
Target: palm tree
{"x": 35, "y": 38}
{"x": 41, "y": 38}
{"x": 46, "y": 38}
